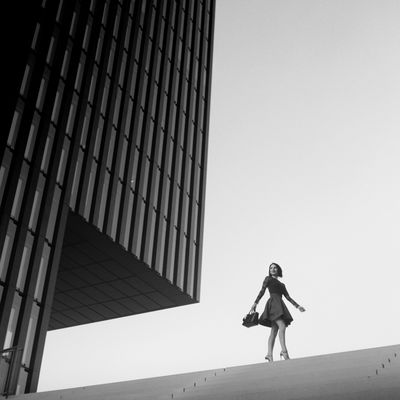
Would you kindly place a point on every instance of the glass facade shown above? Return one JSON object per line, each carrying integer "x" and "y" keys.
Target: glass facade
{"x": 110, "y": 121}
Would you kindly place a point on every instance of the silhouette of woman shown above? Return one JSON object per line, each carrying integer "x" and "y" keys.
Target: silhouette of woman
{"x": 275, "y": 315}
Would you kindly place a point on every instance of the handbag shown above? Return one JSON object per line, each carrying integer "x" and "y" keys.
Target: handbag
{"x": 251, "y": 319}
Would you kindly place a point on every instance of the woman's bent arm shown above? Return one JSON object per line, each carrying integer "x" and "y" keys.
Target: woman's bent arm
{"x": 262, "y": 291}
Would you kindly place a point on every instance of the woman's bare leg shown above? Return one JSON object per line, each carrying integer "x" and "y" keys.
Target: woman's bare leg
{"x": 282, "y": 335}
{"x": 271, "y": 339}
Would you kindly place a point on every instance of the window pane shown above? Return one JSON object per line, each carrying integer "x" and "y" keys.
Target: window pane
{"x": 63, "y": 161}
{"x": 60, "y": 5}
{"x": 33, "y": 319}
{"x": 110, "y": 155}
{"x": 12, "y": 135}
{"x": 19, "y": 194}
{"x": 181, "y": 263}
{"x": 92, "y": 84}
{"x": 66, "y": 60}
{"x": 117, "y": 106}
{"x": 161, "y": 246}
{"x": 99, "y": 137}
{"x": 25, "y": 261}
{"x": 89, "y": 193}
{"x": 195, "y": 223}
{"x": 105, "y": 13}
{"x": 36, "y": 203}
{"x": 42, "y": 93}
{"x": 111, "y": 57}
{"x": 85, "y": 127}
{"x": 22, "y": 378}
{"x": 99, "y": 45}
{"x": 71, "y": 115}
{"x": 117, "y": 21}
{"x": 25, "y": 81}
{"x": 126, "y": 222}
{"x": 191, "y": 268}
{"x": 47, "y": 150}
{"x": 79, "y": 74}
{"x": 116, "y": 210}
{"x": 138, "y": 226}
{"x": 50, "y": 53}
{"x": 104, "y": 99}
{"x": 150, "y": 237}
{"x": 171, "y": 253}
{"x": 122, "y": 71}
{"x": 44, "y": 262}
{"x": 77, "y": 176}
{"x": 87, "y": 33}
{"x": 73, "y": 25}
{"x": 35, "y": 37}
{"x": 103, "y": 201}
{"x": 53, "y": 214}
{"x": 122, "y": 161}
{"x": 6, "y": 251}
{"x": 4, "y": 170}
{"x": 30, "y": 145}
{"x": 12, "y": 322}
{"x": 57, "y": 102}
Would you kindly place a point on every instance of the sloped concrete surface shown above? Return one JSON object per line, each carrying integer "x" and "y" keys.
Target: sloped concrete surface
{"x": 368, "y": 374}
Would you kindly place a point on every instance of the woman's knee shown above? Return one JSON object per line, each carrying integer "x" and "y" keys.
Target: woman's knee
{"x": 281, "y": 324}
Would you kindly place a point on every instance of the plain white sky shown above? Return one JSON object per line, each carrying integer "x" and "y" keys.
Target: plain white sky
{"x": 303, "y": 170}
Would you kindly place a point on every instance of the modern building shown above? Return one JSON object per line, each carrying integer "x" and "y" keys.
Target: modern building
{"x": 103, "y": 151}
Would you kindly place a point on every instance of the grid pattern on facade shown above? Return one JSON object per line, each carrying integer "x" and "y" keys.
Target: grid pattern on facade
{"x": 110, "y": 121}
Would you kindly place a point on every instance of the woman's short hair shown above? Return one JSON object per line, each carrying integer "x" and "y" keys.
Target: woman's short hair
{"x": 278, "y": 267}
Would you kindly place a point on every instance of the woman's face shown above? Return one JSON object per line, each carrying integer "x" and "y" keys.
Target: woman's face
{"x": 273, "y": 270}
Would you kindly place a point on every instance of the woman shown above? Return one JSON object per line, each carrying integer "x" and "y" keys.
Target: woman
{"x": 275, "y": 315}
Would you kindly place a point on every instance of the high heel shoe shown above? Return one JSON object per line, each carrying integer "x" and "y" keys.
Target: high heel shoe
{"x": 269, "y": 358}
{"x": 285, "y": 355}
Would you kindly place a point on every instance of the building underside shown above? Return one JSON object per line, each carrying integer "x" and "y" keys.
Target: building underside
{"x": 99, "y": 280}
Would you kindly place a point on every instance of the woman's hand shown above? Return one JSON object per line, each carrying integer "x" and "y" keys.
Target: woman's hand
{"x": 253, "y": 307}
{"x": 302, "y": 309}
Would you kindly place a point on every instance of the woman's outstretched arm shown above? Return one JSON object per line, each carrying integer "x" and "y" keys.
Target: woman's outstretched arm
{"x": 288, "y": 298}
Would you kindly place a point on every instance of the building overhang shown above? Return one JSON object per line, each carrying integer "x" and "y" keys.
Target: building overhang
{"x": 99, "y": 280}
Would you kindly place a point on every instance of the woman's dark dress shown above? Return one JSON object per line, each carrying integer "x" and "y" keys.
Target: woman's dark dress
{"x": 275, "y": 307}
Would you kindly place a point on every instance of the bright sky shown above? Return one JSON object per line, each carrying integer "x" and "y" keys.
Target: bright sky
{"x": 303, "y": 170}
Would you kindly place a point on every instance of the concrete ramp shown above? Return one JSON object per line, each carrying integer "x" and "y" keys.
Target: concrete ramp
{"x": 369, "y": 374}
